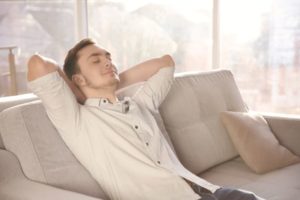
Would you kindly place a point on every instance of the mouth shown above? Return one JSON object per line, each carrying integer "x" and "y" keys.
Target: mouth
{"x": 110, "y": 73}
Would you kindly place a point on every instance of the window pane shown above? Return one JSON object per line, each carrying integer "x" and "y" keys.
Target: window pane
{"x": 261, "y": 45}
{"x": 33, "y": 26}
{"x": 136, "y": 30}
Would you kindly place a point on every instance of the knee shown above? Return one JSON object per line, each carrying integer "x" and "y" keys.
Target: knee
{"x": 251, "y": 196}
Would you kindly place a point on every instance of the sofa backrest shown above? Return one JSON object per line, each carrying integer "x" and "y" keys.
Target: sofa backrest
{"x": 1, "y": 143}
{"x": 191, "y": 117}
{"x": 9, "y": 101}
{"x": 28, "y": 133}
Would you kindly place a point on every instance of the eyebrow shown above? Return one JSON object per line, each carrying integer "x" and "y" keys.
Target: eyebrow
{"x": 98, "y": 54}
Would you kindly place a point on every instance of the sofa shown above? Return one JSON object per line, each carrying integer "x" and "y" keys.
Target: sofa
{"x": 36, "y": 164}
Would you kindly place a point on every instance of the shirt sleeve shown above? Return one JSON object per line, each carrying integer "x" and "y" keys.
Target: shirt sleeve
{"x": 155, "y": 89}
{"x": 58, "y": 99}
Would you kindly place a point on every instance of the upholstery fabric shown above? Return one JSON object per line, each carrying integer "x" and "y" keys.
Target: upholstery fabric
{"x": 281, "y": 184}
{"x": 15, "y": 186}
{"x": 28, "y": 133}
{"x": 286, "y": 129}
{"x": 6, "y": 102}
{"x": 191, "y": 116}
{"x": 9, "y": 101}
{"x": 1, "y": 142}
{"x": 256, "y": 143}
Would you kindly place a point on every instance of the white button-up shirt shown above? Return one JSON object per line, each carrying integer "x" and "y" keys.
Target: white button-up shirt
{"x": 120, "y": 144}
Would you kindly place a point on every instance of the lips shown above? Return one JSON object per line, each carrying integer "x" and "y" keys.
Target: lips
{"x": 109, "y": 72}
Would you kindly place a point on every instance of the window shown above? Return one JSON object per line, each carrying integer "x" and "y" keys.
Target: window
{"x": 43, "y": 26}
{"x": 261, "y": 45}
{"x": 136, "y": 30}
{"x": 259, "y": 40}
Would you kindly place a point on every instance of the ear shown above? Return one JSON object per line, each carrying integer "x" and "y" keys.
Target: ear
{"x": 79, "y": 80}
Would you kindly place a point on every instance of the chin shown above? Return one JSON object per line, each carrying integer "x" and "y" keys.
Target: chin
{"x": 117, "y": 78}
{"x": 115, "y": 82}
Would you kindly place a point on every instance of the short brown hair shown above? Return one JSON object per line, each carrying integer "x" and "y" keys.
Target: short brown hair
{"x": 70, "y": 65}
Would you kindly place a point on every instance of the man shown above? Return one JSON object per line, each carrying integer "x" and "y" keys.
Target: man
{"x": 118, "y": 140}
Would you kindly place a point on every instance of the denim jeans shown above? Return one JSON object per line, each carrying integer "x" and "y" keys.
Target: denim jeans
{"x": 225, "y": 194}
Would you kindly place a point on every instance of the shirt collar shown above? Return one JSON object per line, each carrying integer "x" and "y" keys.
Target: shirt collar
{"x": 103, "y": 103}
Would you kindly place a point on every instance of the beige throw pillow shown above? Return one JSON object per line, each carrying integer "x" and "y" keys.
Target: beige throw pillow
{"x": 255, "y": 142}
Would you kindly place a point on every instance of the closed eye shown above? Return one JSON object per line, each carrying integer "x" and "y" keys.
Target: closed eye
{"x": 96, "y": 61}
{"x": 108, "y": 55}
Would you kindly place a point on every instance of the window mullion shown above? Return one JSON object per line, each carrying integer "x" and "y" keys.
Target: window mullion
{"x": 216, "y": 35}
{"x": 81, "y": 19}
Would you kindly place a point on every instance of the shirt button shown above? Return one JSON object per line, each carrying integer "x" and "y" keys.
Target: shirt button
{"x": 147, "y": 143}
{"x": 136, "y": 126}
{"x": 158, "y": 162}
{"x": 104, "y": 100}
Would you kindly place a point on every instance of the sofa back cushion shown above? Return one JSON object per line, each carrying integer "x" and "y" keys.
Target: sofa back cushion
{"x": 1, "y": 143}
{"x": 28, "y": 133}
{"x": 191, "y": 117}
{"x": 6, "y": 102}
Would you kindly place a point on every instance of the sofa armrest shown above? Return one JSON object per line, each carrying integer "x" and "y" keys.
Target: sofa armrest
{"x": 9, "y": 101}
{"x": 287, "y": 130}
{"x": 15, "y": 186}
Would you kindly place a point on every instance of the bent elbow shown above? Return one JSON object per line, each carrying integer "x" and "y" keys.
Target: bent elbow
{"x": 39, "y": 66}
{"x": 34, "y": 60}
{"x": 168, "y": 60}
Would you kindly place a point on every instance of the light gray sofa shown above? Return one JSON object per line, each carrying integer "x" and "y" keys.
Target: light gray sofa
{"x": 36, "y": 164}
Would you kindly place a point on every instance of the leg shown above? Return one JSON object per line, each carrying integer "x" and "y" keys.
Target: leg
{"x": 234, "y": 194}
{"x": 225, "y": 194}
{"x": 205, "y": 194}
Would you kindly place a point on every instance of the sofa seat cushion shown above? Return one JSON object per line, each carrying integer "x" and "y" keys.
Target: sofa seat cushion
{"x": 276, "y": 185}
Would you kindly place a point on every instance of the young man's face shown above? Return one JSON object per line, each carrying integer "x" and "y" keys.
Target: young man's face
{"x": 96, "y": 68}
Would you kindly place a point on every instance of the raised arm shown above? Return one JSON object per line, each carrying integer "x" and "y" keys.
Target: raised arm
{"x": 144, "y": 70}
{"x": 39, "y": 66}
{"x": 49, "y": 83}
